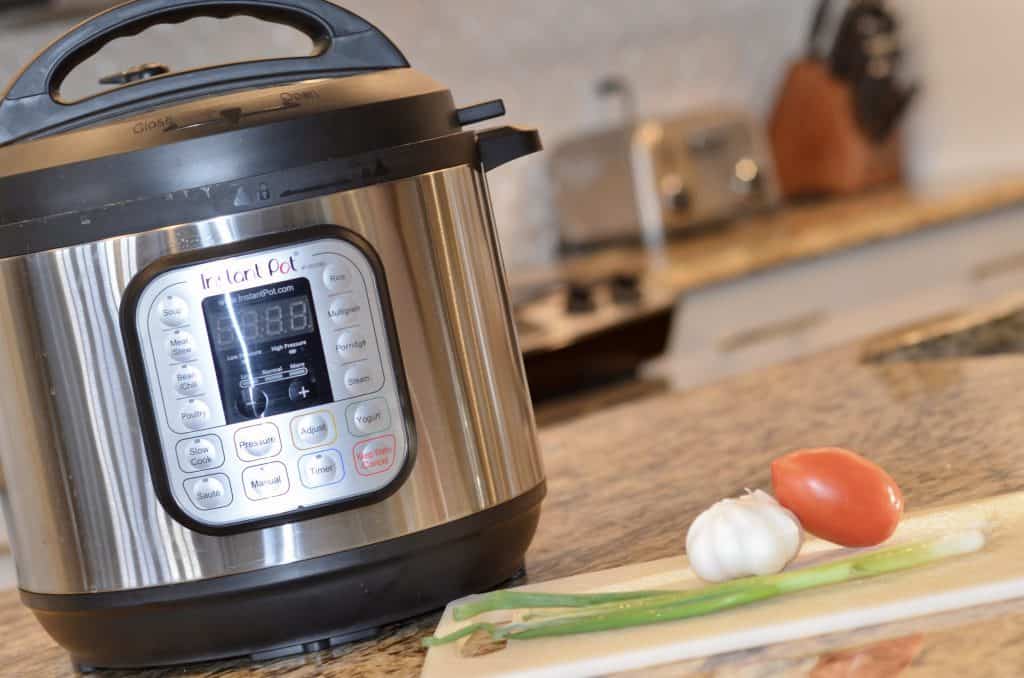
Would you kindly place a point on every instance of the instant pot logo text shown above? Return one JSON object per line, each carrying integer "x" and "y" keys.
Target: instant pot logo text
{"x": 261, "y": 270}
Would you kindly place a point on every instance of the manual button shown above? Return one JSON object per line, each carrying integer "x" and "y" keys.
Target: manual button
{"x": 314, "y": 429}
{"x": 200, "y": 454}
{"x": 210, "y": 492}
{"x": 257, "y": 442}
{"x": 265, "y": 480}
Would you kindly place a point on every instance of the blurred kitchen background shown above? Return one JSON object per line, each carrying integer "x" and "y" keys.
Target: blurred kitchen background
{"x": 727, "y": 184}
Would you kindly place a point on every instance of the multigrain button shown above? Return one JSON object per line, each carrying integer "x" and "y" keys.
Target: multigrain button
{"x": 321, "y": 468}
{"x": 358, "y": 379}
{"x": 314, "y": 429}
{"x": 368, "y": 417}
{"x": 265, "y": 480}
{"x": 345, "y": 310}
{"x": 181, "y": 346}
{"x": 209, "y": 492}
{"x": 188, "y": 380}
{"x": 374, "y": 456}
{"x": 351, "y": 345}
{"x": 194, "y": 414}
{"x": 257, "y": 442}
{"x": 173, "y": 311}
{"x": 338, "y": 277}
{"x": 199, "y": 454}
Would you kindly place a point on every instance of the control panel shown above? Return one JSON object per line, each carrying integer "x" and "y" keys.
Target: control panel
{"x": 272, "y": 378}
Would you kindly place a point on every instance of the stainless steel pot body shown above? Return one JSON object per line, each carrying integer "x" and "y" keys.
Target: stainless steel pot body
{"x": 82, "y": 512}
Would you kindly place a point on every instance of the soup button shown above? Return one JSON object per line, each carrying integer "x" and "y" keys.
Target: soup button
{"x": 374, "y": 456}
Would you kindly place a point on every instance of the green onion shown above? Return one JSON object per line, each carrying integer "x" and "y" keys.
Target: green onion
{"x": 595, "y": 612}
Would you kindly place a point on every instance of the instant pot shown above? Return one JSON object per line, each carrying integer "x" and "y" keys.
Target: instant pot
{"x": 262, "y": 388}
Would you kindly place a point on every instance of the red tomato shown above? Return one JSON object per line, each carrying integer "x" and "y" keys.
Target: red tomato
{"x": 838, "y": 495}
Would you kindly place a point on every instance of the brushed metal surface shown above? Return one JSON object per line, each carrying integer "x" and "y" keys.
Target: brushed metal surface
{"x": 81, "y": 510}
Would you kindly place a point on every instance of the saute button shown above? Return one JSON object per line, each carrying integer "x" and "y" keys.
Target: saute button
{"x": 199, "y": 454}
{"x": 210, "y": 492}
{"x": 351, "y": 345}
{"x": 321, "y": 468}
{"x": 188, "y": 380}
{"x": 338, "y": 277}
{"x": 358, "y": 379}
{"x": 313, "y": 429}
{"x": 194, "y": 415}
{"x": 369, "y": 417}
{"x": 256, "y": 442}
{"x": 345, "y": 310}
{"x": 173, "y": 311}
{"x": 181, "y": 346}
{"x": 265, "y": 480}
{"x": 374, "y": 456}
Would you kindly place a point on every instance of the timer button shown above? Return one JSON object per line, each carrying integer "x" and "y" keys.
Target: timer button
{"x": 344, "y": 310}
{"x": 199, "y": 454}
{"x": 173, "y": 311}
{"x": 368, "y": 417}
{"x": 358, "y": 379}
{"x": 188, "y": 380}
{"x": 321, "y": 468}
{"x": 194, "y": 414}
{"x": 338, "y": 277}
{"x": 312, "y": 430}
{"x": 256, "y": 442}
{"x": 210, "y": 492}
{"x": 181, "y": 346}
{"x": 265, "y": 480}
{"x": 351, "y": 345}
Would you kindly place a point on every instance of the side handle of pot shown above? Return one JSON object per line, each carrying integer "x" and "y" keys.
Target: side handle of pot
{"x": 500, "y": 145}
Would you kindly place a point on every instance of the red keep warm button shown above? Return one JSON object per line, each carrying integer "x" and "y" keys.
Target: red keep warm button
{"x": 375, "y": 455}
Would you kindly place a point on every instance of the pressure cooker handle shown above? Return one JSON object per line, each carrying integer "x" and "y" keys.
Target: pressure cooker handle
{"x": 344, "y": 42}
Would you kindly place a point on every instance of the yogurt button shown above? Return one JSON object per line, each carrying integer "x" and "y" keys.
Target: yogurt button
{"x": 199, "y": 454}
{"x": 194, "y": 415}
{"x": 369, "y": 417}
{"x": 351, "y": 345}
{"x": 265, "y": 480}
{"x": 345, "y": 310}
{"x": 210, "y": 492}
{"x": 181, "y": 346}
{"x": 173, "y": 311}
{"x": 188, "y": 380}
{"x": 358, "y": 379}
{"x": 256, "y": 442}
{"x": 338, "y": 277}
{"x": 313, "y": 429}
{"x": 321, "y": 468}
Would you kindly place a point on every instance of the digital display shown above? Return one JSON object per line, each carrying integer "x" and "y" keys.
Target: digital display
{"x": 267, "y": 350}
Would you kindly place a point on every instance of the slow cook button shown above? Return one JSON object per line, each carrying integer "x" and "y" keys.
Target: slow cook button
{"x": 173, "y": 311}
{"x": 188, "y": 380}
{"x": 351, "y": 345}
{"x": 194, "y": 415}
{"x": 338, "y": 277}
{"x": 257, "y": 442}
{"x": 345, "y": 310}
{"x": 210, "y": 492}
{"x": 199, "y": 454}
{"x": 314, "y": 429}
{"x": 374, "y": 456}
{"x": 265, "y": 480}
{"x": 181, "y": 346}
{"x": 369, "y": 417}
{"x": 321, "y": 468}
{"x": 358, "y": 379}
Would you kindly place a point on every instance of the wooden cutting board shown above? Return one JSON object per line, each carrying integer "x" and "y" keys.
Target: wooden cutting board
{"x": 995, "y": 573}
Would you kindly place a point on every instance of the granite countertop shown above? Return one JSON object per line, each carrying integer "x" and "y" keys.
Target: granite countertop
{"x": 625, "y": 482}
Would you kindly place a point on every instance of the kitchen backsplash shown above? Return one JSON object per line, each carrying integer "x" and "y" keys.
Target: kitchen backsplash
{"x": 543, "y": 58}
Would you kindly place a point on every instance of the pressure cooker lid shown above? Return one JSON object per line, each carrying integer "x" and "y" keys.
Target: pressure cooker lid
{"x": 214, "y": 128}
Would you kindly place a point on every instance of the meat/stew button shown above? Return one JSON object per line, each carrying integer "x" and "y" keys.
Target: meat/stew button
{"x": 373, "y": 456}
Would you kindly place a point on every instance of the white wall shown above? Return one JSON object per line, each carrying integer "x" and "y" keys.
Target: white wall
{"x": 541, "y": 56}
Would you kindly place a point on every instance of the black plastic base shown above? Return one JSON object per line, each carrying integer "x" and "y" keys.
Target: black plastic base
{"x": 306, "y": 606}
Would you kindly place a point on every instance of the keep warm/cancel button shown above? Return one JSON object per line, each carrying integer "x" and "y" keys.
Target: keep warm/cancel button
{"x": 373, "y": 456}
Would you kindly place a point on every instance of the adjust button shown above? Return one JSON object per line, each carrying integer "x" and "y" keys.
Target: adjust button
{"x": 173, "y": 311}
{"x": 321, "y": 468}
{"x": 209, "y": 492}
{"x": 257, "y": 442}
{"x": 181, "y": 346}
{"x": 194, "y": 415}
{"x": 200, "y": 454}
{"x": 314, "y": 429}
{"x": 188, "y": 380}
{"x": 368, "y": 417}
{"x": 265, "y": 480}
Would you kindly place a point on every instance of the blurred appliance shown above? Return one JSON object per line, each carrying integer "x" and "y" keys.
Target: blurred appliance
{"x": 658, "y": 177}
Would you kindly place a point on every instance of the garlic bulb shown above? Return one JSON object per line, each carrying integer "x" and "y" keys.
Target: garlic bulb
{"x": 750, "y": 535}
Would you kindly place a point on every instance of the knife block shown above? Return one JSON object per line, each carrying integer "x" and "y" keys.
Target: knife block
{"x": 819, "y": 148}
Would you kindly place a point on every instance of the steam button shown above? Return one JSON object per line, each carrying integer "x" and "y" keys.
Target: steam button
{"x": 173, "y": 311}
{"x": 358, "y": 379}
